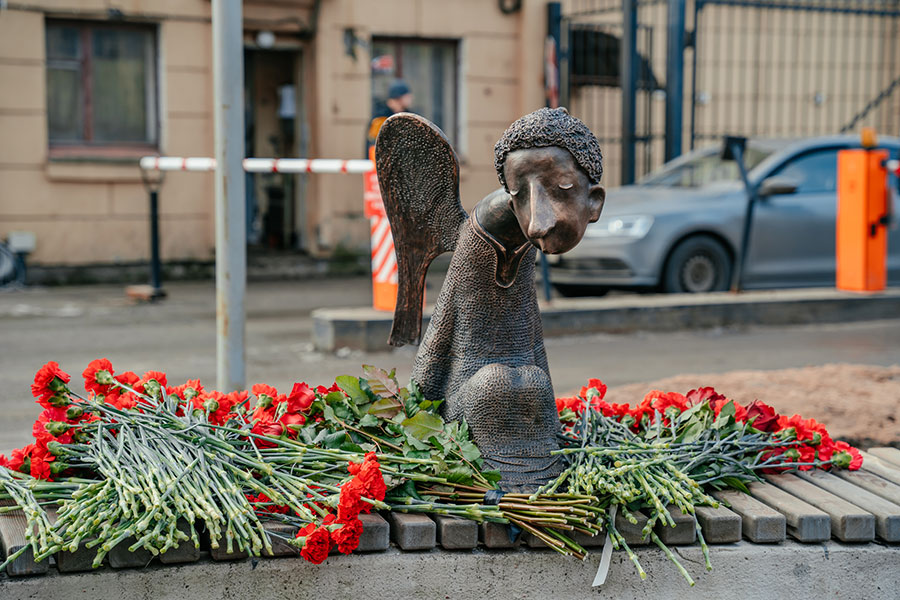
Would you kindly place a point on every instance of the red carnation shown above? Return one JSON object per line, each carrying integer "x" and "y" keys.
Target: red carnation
{"x": 668, "y": 404}
{"x": 350, "y": 503}
{"x": 369, "y": 473}
{"x": 300, "y": 398}
{"x": 594, "y": 384}
{"x": 316, "y": 543}
{"x": 50, "y": 381}
{"x": 98, "y": 376}
{"x": 846, "y": 456}
{"x": 152, "y": 383}
{"x": 265, "y": 395}
{"x": 764, "y": 416}
{"x": 347, "y": 537}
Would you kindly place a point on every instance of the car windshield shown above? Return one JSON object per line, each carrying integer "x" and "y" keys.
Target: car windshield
{"x": 704, "y": 168}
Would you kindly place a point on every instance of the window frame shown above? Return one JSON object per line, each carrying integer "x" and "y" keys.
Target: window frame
{"x": 87, "y": 147}
{"x": 397, "y": 42}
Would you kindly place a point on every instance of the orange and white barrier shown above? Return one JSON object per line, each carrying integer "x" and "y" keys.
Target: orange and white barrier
{"x": 384, "y": 260}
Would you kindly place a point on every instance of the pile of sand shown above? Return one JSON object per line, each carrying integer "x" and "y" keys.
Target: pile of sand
{"x": 858, "y": 403}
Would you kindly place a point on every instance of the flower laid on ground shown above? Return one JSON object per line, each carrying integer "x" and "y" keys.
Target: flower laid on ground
{"x": 137, "y": 459}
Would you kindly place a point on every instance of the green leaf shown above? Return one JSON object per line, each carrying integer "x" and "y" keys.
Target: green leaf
{"x": 367, "y": 389}
{"x": 492, "y": 477}
{"x": 350, "y": 385}
{"x": 735, "y": 483}
{"x": 386, "y": 408}
{"x": 379, "y": 378}
{"x": 692, "y": 432}
{"x": 424, "y": 425}
{"x": 335, "y": 440}
{"x": 351, "y": 447}
{"x": 469, "y": 451}
{"x": 417, "y": 444}
{"x": 460, "y": 474}
{"x": 369, "y": 420}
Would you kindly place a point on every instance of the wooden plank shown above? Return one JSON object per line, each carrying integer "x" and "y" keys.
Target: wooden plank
{"x": 883, "y": 469}
{"x": 719, "y": 525}
{"x": 82, "y": 559}
{"x": 849, "y": 523}
{"x": 887, "y": 514}
{"x": 872, "y": 483}
{"x": 887, "y": 454}
{"x": 12, "y": 538}
{"x": 683, "y": 533}
{"x": 804, "y": 522}
{"x": 760, "y": 523}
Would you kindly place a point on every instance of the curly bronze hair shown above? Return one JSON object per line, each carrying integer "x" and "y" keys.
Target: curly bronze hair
{"x": 551, "y": 127}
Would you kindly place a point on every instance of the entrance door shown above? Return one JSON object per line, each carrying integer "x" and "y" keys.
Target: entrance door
{"x": 271, "y": 100}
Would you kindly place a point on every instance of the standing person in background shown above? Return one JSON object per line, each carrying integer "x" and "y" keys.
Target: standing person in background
{"x": 400, "y": 99}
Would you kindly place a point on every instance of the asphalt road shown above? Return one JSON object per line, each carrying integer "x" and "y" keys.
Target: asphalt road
{"x": 74, "y": 325}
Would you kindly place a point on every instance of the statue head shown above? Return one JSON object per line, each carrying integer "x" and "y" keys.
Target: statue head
{"x": 550, "y": 164}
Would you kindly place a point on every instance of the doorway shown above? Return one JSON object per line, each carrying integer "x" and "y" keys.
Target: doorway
{"x": 271, "y": 100}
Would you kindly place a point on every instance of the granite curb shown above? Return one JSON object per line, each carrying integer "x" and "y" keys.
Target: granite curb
{"x": 367, "y": 329}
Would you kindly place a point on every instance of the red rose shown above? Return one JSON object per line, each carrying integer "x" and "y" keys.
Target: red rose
{"x": 763, "y": 416}
{"x": 347, "y": 537}
{"x": 594, "y": 384}
{"x": 292, "y": 419}
{"x": 98, "y": 376}
{"x": 323, "y": 391}
{"x": 316, "y": 544}
{"x": 50, "y": 381}
{"x": 300, "y": 398}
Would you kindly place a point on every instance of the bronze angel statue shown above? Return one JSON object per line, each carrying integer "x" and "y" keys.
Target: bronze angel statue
{"x": 483, "y": 351}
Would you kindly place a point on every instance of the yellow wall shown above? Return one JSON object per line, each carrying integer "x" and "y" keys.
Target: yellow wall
{"x": 96, "y": 211}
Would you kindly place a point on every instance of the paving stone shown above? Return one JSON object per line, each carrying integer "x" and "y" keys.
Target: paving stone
{"x": 456, "y": 534}
{"x": 849, "y": 523}
{"x": 883, "y": 469}
{"x": 719, "y": 525}
{"x": 120, "y": 557}
{"x": 412, "y": 531}
{"x": 280, "y": 545}
{"x": 632, "y": 531}
{"x": 376, "y": 534}
{"x": 12, "y": 538}
{"x": 804, "y": 522}
{"x": 496, "y": 535}
{"x": 872, "y": 483}
{"x": 887, "y": 514}
{"x": 890, "y": 455}
{"x": 760, "y": 523}
{"x": 682, "y": 534}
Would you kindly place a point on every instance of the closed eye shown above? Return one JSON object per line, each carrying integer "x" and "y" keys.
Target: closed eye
{"x": 513, "y": 192}
{"x": 566, "y": 186}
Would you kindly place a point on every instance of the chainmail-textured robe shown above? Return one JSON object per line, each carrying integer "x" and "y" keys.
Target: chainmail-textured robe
{"x": 483, "y": 352}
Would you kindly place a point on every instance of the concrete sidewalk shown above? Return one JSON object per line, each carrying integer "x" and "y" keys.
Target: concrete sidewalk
{"x": 367, "y": 329}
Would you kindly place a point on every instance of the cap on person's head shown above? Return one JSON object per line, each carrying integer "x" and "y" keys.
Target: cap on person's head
{"x": 398, "y": 89}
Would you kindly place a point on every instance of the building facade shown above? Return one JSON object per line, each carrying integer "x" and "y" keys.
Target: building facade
{"x": 89, "y": 86}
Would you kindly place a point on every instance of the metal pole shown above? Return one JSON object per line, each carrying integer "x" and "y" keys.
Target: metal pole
{"x": 231, "y": 234}
{"x": 155, "y": 277}
{"x": 735, "y": 148}
{"x": 554, "y": 25}
{"x": 675, "y": 79}
{"x": 628, "y": 75}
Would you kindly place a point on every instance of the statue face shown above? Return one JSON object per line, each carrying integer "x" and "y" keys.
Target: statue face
{"x": 552, "y": 197}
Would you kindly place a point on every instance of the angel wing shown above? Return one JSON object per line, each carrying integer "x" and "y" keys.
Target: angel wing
{"x": 418, "y": 173}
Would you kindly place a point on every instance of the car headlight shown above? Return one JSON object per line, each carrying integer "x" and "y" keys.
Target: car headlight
{"x": 635, "y": 226}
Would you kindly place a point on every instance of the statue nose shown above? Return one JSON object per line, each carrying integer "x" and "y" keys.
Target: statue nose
{"x": 543, "y": 219}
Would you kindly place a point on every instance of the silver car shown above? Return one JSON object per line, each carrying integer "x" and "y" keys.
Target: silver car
{"x": 677, "y": 230}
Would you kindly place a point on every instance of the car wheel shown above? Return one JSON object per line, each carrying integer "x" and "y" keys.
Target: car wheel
{"x": 696, "y": 265}
{"x": 579, "y": 291}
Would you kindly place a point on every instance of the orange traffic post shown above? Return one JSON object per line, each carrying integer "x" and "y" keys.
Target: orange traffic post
{"x": 384, "y": 260}
{"x": 862, "y": 208}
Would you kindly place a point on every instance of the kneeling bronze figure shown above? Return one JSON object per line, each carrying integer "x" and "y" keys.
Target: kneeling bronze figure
{"x": 483, "y": 351}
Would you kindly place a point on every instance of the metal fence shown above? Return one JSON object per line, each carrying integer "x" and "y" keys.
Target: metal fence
{"x": 653, "y": 78}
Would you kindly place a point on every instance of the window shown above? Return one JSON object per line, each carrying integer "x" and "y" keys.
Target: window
{"x": 101, "y": 84}
{"x": 815, "y": 172}
{"x": 428, "y": 68}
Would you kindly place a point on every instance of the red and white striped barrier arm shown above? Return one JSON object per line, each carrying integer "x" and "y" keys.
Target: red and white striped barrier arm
{"x": 260, "y": 165}
{"x": 893, "y": 166}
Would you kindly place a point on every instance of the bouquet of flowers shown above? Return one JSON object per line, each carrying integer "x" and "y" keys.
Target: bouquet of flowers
{"x": 138, "y": 462}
